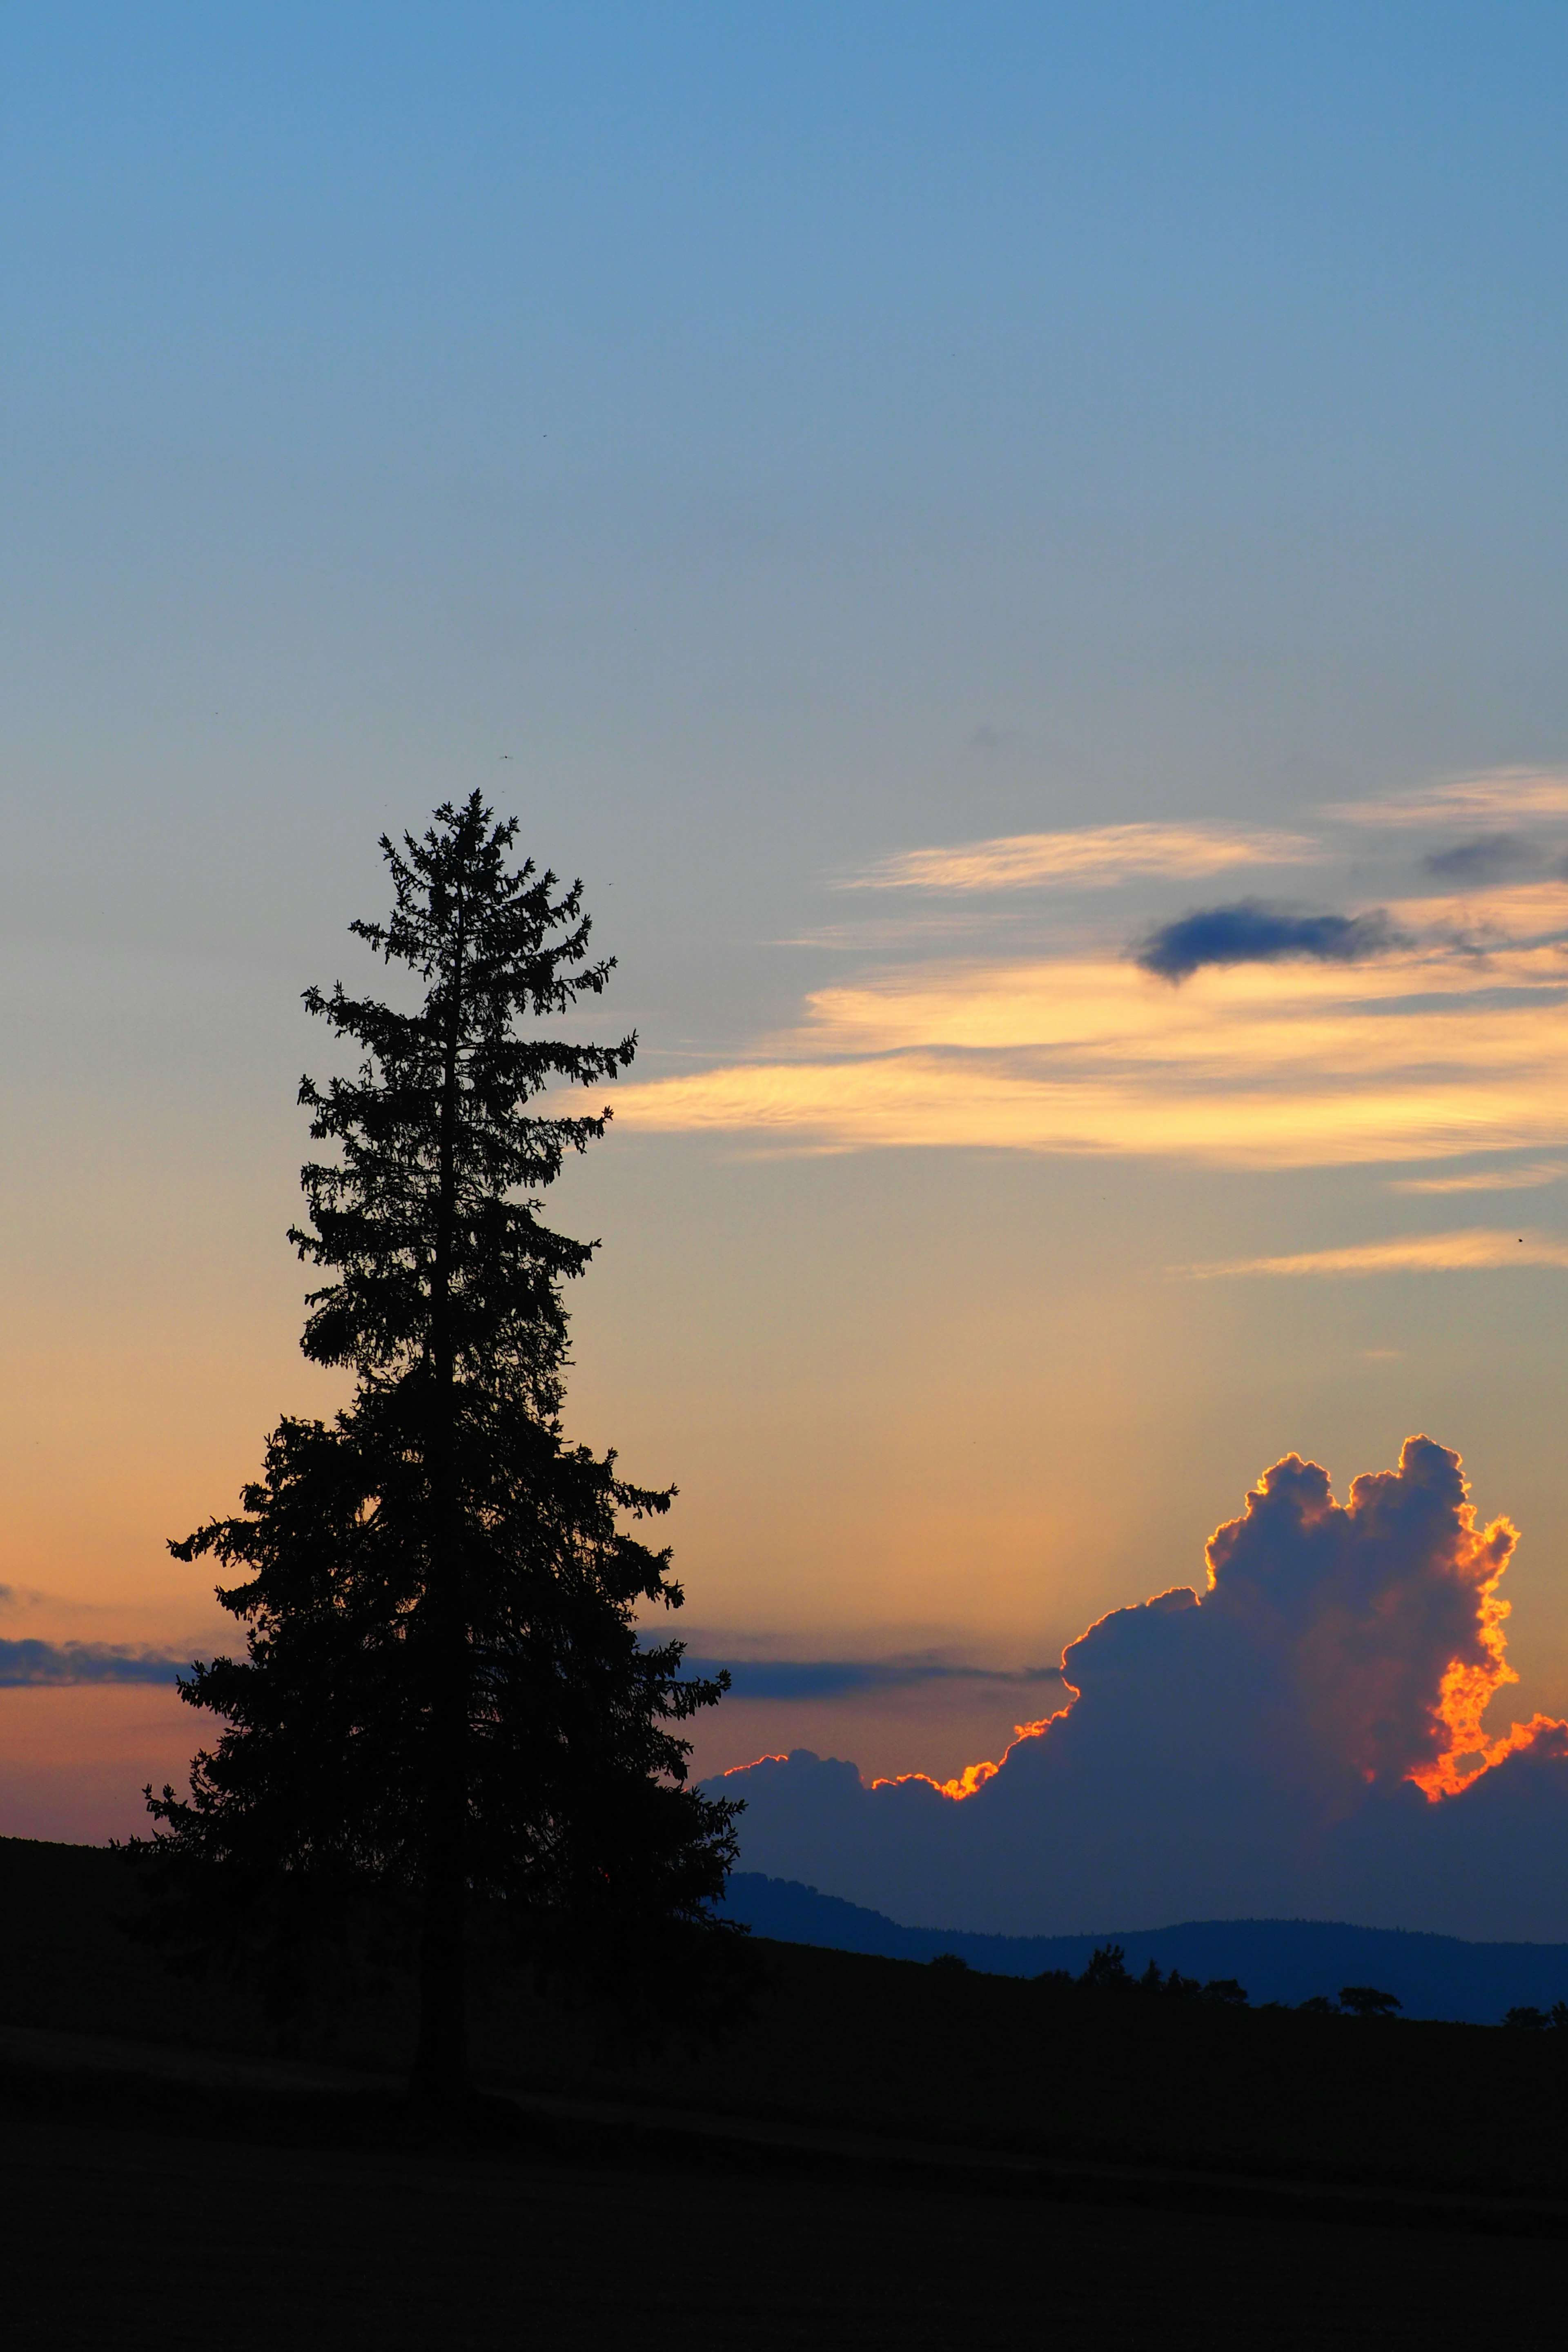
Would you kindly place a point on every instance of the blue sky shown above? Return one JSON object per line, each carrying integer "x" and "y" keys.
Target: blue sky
{"x": 760, "y": 444}
{"x": 734, "y": 413}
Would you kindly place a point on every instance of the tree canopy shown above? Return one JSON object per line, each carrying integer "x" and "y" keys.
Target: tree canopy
{"x": 445, "y": 1690}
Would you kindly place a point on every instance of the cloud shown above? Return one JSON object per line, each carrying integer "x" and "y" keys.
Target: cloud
{"x": 1501, "y": 795}
{"x": 1302, "y": 1736}
{"x": 1253, "y": 931}
{"x": 1094, "y": 857}
{"x": 1491, "y": 858}
{"x": 1424, "y": 1054}
{"x": 1457, "y": 1253}
{"x": 1449, "y": 1043}
{"x": 828, "y": 1678}
{"x": 1485, "y": 1180}
{"x": 28, "y": 1664}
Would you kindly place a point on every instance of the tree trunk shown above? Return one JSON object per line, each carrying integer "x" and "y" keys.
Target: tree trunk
{"x": 440, "y": 2076}
{"x": 441, "y": 2059}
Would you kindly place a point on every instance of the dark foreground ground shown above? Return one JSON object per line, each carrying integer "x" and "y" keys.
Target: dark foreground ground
{"x": 877, "y": 2154}
{"x": 124, "y": 2231}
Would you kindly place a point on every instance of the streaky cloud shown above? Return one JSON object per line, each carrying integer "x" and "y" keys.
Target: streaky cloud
{"x": 1285, "y": 1119}
{"x": 1485, "y": 1180}
{"x": 1457, "y": 1253}
{"x": 1254, "y": 930}
{"x": 1491, "y": 858}
{"x": 51, "y": 1665}
{"x": 1094, "y": 857}
{"x": 1500, "y": 795}
{"x": 1429, "y": 1053}
{"x": 830, "y": 1678}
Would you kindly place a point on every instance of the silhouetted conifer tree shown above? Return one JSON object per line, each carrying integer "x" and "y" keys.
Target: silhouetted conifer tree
{"x": 444, "y": 1688}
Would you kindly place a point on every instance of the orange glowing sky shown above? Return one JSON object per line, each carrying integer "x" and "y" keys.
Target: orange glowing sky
{"x": 1164, "y": 1191}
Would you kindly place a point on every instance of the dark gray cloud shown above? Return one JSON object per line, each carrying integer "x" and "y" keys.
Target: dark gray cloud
{"x": 1491, "y": 858}
{"x": 827, "y": 1678}
{"x": 29, "y": 1662}
{"x": 1245, "y": 1752}
{"x": 23, "y": 1664}
{"x": 1254, "y": 931}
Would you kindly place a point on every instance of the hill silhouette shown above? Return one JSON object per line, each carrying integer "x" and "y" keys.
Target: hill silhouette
{"x": 1288, "y": 1960}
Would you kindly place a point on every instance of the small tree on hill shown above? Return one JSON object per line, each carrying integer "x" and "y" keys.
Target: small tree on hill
{"x": 444, "y": 1689}
{"x": 1366, "y": 2000}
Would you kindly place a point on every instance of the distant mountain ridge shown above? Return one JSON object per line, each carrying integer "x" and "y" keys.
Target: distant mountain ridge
{"x": 1277, "y": 1960}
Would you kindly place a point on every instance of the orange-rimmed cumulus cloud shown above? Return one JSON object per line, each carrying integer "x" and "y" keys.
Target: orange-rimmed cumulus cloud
{"x": 1303, "y": 1737}
{"x": 1454, "y": 1043}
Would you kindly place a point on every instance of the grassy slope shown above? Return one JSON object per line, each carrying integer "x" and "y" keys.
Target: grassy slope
{"x": 895, "y": 2046}
{"x": 141, "y": 2240}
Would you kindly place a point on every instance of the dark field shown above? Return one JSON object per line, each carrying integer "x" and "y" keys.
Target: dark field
{"x": 880, "y": 2153}
{"x": 122, "y": 2237}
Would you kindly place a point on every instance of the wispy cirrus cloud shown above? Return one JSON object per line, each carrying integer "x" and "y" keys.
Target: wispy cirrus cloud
{"x": 1091, "y": 857}
{"x": 1097, "y": 856}
{"x": 1455, "y": 1252}
{"x": 1485, "y": 1180}
{"x": 1503, "y": 793}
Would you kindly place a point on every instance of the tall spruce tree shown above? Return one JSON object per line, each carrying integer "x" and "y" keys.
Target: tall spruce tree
{"x": 445, "y": 1690}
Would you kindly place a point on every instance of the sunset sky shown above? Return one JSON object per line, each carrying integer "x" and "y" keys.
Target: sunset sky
{"x": 1020, "y": 553}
